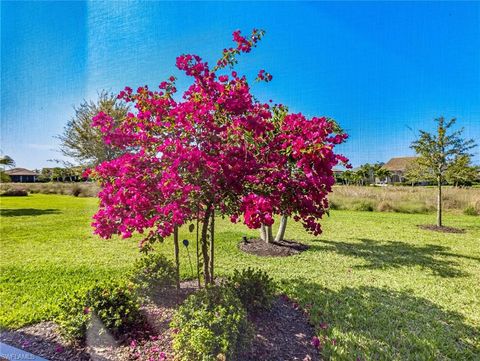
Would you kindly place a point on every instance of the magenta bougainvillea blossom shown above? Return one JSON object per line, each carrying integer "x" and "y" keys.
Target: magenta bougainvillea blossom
{"x": 214, "y": 148}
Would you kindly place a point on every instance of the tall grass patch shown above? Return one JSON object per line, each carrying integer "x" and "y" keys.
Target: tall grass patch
{"x": 403, "y": 199}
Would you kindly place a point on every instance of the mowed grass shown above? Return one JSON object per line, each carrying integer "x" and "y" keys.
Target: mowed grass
{"x": 377, "y": 286}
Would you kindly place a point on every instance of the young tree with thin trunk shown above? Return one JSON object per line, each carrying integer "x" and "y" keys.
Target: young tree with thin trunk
{"x": 438, "y": 151}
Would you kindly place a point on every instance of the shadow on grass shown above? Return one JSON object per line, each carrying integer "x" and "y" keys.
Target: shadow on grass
{"x": 18, "y": 212}
{"x": 379, "y": 323}
{"x": 395, "y": 254}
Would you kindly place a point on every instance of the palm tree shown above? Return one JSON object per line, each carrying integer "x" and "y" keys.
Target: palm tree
{"x": 357, "y": 177}
{"x": 6, "y": 160}
{"x": 348, "y": 176}
{"x": 364, "y": 172}
{"x": 382, "y": 174}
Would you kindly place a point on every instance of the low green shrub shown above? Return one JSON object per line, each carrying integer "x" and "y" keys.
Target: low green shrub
{"x": 76, "y": 190}
{"x": 4, "y": 178}
{"x": 334, "y": 205}
{"x": 15, "y": 193}
{"x": 153, "y": 271}
{"x": 470, "y": 211}
{"x": 212, "y": 325}
{"x": 364, "y": 206}
{"x": 114, "y": 305}
{"x": 254, "y": 288}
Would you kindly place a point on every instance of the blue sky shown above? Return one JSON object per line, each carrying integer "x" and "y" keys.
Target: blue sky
{"x": 382, "y": 70}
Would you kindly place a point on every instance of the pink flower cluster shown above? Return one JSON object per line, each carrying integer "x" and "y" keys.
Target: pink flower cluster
{"x": 264, "y": 76}
{"x": 216, "y": 147}
{"x": 244, "y": 45}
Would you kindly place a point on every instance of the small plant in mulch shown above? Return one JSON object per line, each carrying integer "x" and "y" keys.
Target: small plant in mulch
{"x": 255, "y": 288}
{"x": 153, "y": 271}
{"x": 114, "y": 305}
{"x": 211, "y": 325}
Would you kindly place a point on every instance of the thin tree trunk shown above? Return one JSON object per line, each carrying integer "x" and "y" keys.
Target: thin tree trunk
{"x": 281, "y": 229}
{"x": 212, "y": 244}
{"x": 204, "y": 241}
{"x": 198, "y": 257}
{"x": 439, "y": 202}
{"x": 269, "y": 234}
{"x": 263, "y": 232}
{"x": 177, "y": 258}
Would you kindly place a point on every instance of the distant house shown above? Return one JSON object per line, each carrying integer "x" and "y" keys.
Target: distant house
{"x": 22, "y": 175}
{"x": 398, "y": 167}
{"x": 338, "y": 171}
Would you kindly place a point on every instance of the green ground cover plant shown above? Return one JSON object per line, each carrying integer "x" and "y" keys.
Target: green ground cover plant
{"x": 154, "y": 272}
{"x": 376, "y": 285}
{"x": 114, "y": 305}
{"x": 254, "y": 288}
{"x": 212, "y": 325}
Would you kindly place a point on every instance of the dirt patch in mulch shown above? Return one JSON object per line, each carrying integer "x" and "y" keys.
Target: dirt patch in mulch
{"x": 433, "y": 227}
{"x": 281, "y": 334}
{"x": 276, "y": 249}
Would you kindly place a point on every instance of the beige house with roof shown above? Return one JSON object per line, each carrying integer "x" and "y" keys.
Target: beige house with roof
{"x": 398, "y": 167}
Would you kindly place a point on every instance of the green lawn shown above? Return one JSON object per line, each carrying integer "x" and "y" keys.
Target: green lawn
{"x": 379, "y": 286}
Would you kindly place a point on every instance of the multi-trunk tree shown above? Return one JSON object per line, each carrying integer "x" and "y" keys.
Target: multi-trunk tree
{"x": 218, "y": 150}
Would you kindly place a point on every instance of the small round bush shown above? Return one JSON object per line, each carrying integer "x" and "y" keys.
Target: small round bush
{"x": 363, "y": 206}
{"x": 76, "y": 190}
{"x": 470, "y": 211}
{"x": 15, "y": 193}
{"x": 334, "y": 205}
{"x": 385, "y": 206}
{"x": 114, "y": 305}
{"x": 254, "y": 288}
{"x": 212, "y": 325}
{"x": 153, "y": 271}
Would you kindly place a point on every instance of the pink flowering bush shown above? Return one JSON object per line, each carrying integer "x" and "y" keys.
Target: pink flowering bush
{"x": 217, "y": 149}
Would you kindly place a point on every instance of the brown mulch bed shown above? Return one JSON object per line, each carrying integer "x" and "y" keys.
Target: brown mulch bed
{"x": 433, "y": 227}
{"x": 276, "y": 249}
{"x": 281, "y": 334}
{"x": 43, "y": 340}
